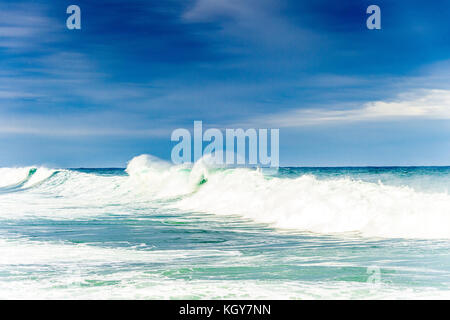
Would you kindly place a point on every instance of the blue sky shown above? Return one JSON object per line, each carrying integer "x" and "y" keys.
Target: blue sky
{"x": 341, "y": 94}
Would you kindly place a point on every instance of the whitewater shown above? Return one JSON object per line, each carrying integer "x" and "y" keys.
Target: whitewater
{"x": 162, "y": 231}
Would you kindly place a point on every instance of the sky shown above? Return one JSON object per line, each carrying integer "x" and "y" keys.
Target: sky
{"x": 341, "y": 94}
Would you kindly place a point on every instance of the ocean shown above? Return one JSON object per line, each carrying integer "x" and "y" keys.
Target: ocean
{"x": 160, "y": 231}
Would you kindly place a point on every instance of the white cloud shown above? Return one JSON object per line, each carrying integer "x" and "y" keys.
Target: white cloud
{"x": 53, "y": 129}
{"x": 6, "y": 94}
{"x": 13, "y": 32}
{"x": 80, "y": 132}
{"x": 259, "y": 22}
{"x": 108, "y": 124}
{"x": 205, "y": 10}
{"x": 422, "y": 104}
{"x": 23, "y": 26}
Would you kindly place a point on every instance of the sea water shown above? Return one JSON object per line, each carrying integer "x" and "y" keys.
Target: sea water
{"x": 159, "y": 231}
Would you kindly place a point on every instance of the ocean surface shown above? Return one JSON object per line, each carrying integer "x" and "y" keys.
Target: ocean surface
{"x": 159, "y": 231}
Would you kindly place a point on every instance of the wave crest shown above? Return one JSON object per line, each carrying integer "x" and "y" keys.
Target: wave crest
{"x": 22, "y": 178}
{"x": 303, "y": 203}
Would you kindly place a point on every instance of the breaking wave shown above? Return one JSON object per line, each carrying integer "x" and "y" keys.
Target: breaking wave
{"x": 22, "y": 178}
{"x": 302, "y": 203}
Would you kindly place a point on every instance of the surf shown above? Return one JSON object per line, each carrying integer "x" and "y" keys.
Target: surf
{"x": 300, "y": 203}
{"x": 13, "y": 179}
{"x": 304, "y": 203}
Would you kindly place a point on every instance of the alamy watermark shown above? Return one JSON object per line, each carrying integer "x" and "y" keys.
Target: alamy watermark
{"x": 73, "y": 22}
{"x": 373, "y": 22}
{"x": 237, "y": 147}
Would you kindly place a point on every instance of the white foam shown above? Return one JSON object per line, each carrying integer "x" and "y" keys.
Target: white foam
{"x": 324, "y": 206}
{"x": 77, "y": 271}
{"x": 13, "y": 176}
{"x": 39, "y": 176}
{"x": 141, "y": 285}
{"x": 24, "y": 252}
{"x": 304, "y": 203}
{"x": 28, "y": 176}
{"x": 158, "y": 178}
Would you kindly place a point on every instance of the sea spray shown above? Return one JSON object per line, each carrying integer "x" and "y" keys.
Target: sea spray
{"x": 301, "y": 202}
{"x": 306, "y": 203}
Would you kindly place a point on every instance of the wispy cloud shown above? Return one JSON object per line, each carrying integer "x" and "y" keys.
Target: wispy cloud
{"x": 81, "y": 125}
{"x": 213, "y": 10}
{"x": 421, "y": 104}
{"x": 241, "y": 24}
{"x": 23, "y": 26}
{"x": 83, "y": 132}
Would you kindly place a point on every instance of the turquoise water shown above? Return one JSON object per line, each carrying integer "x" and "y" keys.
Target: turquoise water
{"x": 156, "y": 231}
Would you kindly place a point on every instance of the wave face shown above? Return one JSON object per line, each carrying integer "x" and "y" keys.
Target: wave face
{"x": 13, "y": 177}
{"x": 22, "y": 178}
{"x": 321, "y": 203}
{"x": 305, "y": 203}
